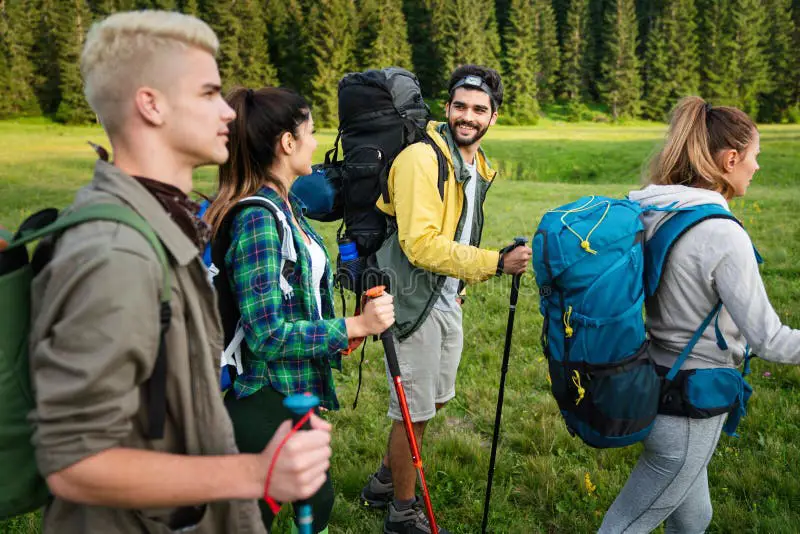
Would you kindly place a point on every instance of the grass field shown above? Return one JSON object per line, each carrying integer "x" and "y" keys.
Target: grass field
{"x": 540, "y": 483}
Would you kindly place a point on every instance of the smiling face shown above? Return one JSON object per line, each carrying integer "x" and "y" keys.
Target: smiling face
{"x": 740, "y": 167}
{"x": 196, "y": 124}
{"x": 469, "y": 114}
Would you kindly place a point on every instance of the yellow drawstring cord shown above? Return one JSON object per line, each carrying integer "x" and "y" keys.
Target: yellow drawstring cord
{"x": 584, "y": 241}
{"x": 576, "y": 379}
{"x": 568, "y": 331}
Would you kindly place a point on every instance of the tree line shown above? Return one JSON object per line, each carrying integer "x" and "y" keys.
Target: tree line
{"x": 634, "y": 58}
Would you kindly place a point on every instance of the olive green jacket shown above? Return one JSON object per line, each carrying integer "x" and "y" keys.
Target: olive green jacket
{"x": 93, "y": 345}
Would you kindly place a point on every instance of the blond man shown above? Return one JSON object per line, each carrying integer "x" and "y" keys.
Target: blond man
{"x": 152, "y": 79}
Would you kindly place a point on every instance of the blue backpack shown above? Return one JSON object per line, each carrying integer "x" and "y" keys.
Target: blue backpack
{"x": 594, "y": 271}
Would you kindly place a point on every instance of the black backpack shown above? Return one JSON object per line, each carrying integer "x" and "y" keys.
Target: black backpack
{"x": 380, "y": 113}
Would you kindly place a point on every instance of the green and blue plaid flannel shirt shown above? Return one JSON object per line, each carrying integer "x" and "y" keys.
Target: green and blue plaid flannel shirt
{"x": 287, "y": 346}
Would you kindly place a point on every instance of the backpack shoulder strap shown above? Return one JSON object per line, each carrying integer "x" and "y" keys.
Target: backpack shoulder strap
{"x": 441, "y": 162}
{"x": 659, "y": 246}
{"x": 105, "y": 212}
{"x": 673, "y": 372}
{"x": 277, "y": 213}
{"x": 657, "y": 250}
{"x": 288, "y": 251}
{"x": 442, "y": 170}
{"x": 229, "y": 310}
{"x": 157, "y": 383}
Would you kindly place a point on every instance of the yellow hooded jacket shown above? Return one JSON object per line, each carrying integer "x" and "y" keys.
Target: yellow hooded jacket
{"x": 427, "y": 225}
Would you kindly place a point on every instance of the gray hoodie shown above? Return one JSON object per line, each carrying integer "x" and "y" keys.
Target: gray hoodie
{"x": 712, "y": 261}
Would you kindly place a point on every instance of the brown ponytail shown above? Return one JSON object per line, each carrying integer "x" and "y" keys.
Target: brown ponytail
{"x": 698, "y": 134}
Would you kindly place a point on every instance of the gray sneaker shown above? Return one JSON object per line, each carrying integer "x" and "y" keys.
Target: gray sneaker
{"x": 377, "y": 494}
{"x": 411, "y": 521}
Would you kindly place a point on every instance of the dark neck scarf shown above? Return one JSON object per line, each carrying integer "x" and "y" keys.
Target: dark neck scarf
{"x": 181, "y": 209}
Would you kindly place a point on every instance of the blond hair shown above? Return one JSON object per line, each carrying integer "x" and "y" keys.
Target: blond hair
{"x": 698, "y": 134}
{"x": 125, "y": 51}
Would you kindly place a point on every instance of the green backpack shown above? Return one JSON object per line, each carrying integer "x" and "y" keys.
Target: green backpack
{"x": 22, "y": 488}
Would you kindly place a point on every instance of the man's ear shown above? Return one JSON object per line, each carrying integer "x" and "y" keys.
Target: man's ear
{"x": 493, "y": 119}
{"x": 151, "y": 105}
{"x": 447, "y": 109}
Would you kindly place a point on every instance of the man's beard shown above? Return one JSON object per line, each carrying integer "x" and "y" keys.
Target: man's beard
{"x": 471, "y": 140}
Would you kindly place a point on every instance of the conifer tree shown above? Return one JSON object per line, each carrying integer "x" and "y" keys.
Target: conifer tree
{"x": 333, "y": 38}
{"x": 685, "y": 48}
{"x": 574, "y": 61}
{"x": 491, "y": 30}
{"x": 781, "y": 59}
{"x": 621, "y": 85}
{"x": 749, "y": 20}
{"x": 465, "y": 31}
{"x": 671, "y": 68}
{"x": 521, "y": 63}
{"x": 735, "y": 69}
{"x": 596, "y": 49}
{"x": 16, "y": 70}
{"x": 222, "y": 17}
{"x": 502, "y": 10}
{"x": 657, "y": 73}
{"x": 71, "y": 21}
{"x": 164, "y": 5}
{"x": 103, "y": 8}
{"x": 289, "y": 44}
{"x": 560, "y": 8}
{"x": 45, "y": 57}
{"x": 256, "y": 69}
{"x": 383, "y": 37}
{"x": 424, "y": 53}
{"x": 647, "y": 12}
{"x": 716, "y": 50}
{"x": 190, "y": 7}
{"x": 544, "y": 27}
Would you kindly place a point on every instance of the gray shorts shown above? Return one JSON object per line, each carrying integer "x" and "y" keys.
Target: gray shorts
{"x": 428, "y": 361}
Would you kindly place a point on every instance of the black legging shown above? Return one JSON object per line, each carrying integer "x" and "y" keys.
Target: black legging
{"x": 255, "y": 420}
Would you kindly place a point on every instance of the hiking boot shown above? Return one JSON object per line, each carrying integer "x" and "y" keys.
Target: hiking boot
{"x": 411, "y": 521}
{"x": 377, "y": 494}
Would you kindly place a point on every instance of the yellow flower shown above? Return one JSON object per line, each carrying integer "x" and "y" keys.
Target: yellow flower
{"x": 587, "y": 481}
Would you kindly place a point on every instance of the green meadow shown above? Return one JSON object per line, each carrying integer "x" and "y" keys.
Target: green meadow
{"x": 545, "y": 481}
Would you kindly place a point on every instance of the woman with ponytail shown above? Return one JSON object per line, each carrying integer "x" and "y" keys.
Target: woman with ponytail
{"x": 709, "y": 158}
{"x": 291, "y": 336}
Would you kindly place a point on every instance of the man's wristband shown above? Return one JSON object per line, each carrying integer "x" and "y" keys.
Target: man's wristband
{"x": 499, "y": 270}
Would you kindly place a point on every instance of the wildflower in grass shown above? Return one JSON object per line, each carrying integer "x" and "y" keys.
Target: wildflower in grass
{"x": 587, "y": 481}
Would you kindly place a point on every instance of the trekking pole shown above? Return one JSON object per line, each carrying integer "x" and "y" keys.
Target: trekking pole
{"x": 512, "y": 308}
{"x": 300, "y": 405}
{"x": 394, "y": 370}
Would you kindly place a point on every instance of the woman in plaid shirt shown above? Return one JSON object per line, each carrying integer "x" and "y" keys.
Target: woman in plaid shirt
{"x": 292, "y": 338}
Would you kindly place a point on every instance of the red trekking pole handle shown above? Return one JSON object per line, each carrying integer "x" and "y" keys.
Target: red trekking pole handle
{"x": 394, "y": 370}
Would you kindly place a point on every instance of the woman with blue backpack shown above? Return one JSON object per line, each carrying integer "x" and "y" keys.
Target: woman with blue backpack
{"x": 275, "y": 280}
{"x": 709, "y": 158}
